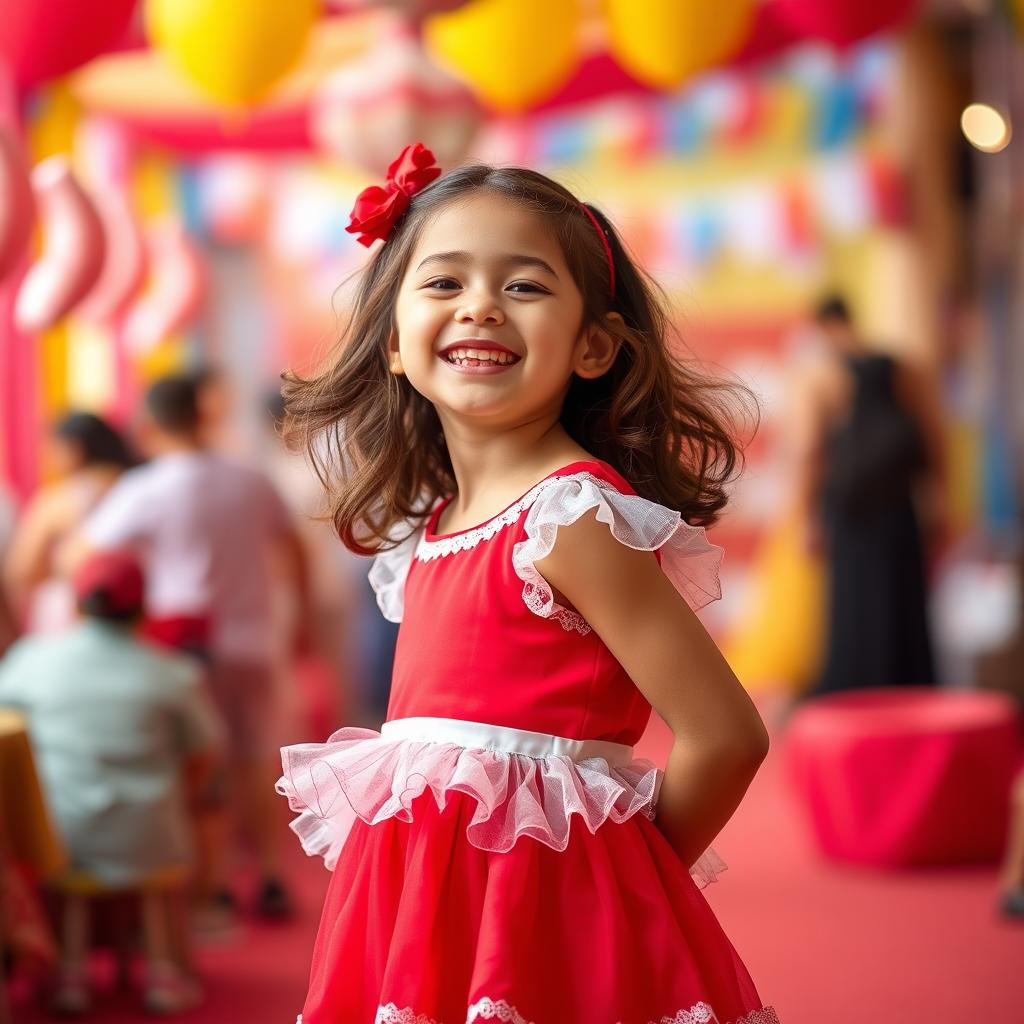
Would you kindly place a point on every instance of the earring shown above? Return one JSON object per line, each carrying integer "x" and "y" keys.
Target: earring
{"x": 395, "y": 366}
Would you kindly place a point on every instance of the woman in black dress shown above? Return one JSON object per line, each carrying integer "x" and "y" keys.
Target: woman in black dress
{"x": 872, "y": 454}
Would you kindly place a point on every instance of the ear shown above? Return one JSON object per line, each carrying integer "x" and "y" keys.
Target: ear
{"x": 394, "y": 356}
{"x": 598, "y": 346}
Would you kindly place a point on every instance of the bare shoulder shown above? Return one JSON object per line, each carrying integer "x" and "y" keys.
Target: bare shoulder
{"x": 605, "y": 580}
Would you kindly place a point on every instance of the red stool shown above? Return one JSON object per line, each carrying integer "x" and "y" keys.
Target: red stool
{"x": 906, "y": 776}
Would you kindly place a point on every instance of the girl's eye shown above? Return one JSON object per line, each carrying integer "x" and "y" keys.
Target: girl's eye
{"x": 526, "y": 287}
{"x": 444, "y": 284}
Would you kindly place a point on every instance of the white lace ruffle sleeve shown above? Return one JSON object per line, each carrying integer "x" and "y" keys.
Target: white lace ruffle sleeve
{"x": 689, "y": 560}
{"x": 389, "y": 569}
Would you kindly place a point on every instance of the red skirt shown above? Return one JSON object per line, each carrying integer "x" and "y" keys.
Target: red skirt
{"x": 422, "y": 927}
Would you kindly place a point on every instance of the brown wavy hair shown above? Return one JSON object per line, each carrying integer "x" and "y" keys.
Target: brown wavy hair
{"x": 377, "y": 445}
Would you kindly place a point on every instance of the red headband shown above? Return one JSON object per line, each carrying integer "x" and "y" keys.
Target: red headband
{"x": 607, "y": 246}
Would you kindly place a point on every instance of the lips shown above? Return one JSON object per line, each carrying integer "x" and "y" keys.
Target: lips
{"x": 476, "y": 344}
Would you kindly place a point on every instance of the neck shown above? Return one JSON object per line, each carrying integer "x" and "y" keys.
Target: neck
{"x": 169, "y": 444}
{"x": 512, "y": 457}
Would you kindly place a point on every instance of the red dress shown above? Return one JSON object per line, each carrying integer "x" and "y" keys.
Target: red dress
{"x": 493, "y": 847}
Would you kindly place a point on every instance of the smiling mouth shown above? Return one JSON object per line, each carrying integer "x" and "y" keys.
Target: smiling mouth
{"x": 479, "y": 357}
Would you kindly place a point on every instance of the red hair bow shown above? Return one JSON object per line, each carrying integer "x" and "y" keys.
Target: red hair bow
{"x": 377, "y": 209}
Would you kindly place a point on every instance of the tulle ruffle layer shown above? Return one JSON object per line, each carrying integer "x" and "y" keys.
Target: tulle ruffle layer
{"x": 358, "y": 773}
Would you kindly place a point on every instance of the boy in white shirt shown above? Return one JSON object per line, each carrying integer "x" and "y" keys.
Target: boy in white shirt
{"x": 207, "y": 530}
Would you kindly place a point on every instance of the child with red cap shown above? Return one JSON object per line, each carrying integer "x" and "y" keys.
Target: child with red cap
{"x": 119, "y": 731}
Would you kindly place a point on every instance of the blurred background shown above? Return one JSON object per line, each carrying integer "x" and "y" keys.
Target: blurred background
{"x": 816, "y": 183}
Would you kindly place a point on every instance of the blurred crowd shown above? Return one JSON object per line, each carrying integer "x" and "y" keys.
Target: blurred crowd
{"x": 180, "y": 621}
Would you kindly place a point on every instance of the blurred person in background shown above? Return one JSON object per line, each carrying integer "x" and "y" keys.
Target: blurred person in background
{"x": 88, "y": 456}
{"x": 209, "y": 532}
{"x": 124, "y": 735}
{"x": 216, "y": 409}
{"x": 870, "y": 462}
{"x": 8, "y": 515}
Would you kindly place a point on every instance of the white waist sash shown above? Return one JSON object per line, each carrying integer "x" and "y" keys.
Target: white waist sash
{"x": 481, "y": 736}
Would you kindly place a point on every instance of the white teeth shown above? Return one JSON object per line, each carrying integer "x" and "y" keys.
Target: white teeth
{"x": 480, "y": 355}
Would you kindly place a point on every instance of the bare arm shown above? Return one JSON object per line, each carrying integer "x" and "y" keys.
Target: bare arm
{"x": 30, "y": 553}
{"x": 719, "y": 738}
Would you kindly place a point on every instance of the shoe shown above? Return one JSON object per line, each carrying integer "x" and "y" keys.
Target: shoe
{"x": 169, "y": 990}
{"x": 71, "y": 995}
{"x": 1012, "y": 903}
{"x": 273, "y": 902}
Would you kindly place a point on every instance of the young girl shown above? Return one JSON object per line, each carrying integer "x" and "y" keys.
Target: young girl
{"x": 508, "y": 430}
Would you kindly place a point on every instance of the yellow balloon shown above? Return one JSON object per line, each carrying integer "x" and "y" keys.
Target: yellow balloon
{"x": 495, "y": 46}
{"x": 234, "y": 50}
{"x": 663, "y": 42}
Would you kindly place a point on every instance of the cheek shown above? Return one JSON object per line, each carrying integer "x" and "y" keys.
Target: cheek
{"x": 418, "y": 323}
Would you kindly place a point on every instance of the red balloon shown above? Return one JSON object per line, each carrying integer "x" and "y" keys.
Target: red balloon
{"x": 843, "y": 22}
{"x": 40, "y": 39}
{"x": 17, "y": 203}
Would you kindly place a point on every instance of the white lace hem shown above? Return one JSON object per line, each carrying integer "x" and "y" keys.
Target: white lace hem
{"x": 687, "y": 558}
{"x": 525, "y": 784}
{"x": 490, "y": 1009}
{"x": 427, "y": 550}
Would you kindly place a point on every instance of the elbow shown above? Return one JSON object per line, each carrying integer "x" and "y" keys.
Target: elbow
{"x": 747, "y": 750}
{"x": 759, "y": 742}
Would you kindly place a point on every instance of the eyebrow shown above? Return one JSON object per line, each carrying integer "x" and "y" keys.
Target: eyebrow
{"x": 512, "y": 260}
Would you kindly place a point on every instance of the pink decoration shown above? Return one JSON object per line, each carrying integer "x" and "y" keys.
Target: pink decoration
{"x": 177, "y": 292}
{"x": 41, "y": 39}
{"x": 842, "y": 22}
{"x": 17, "y": 204}
{"x": 107, "y": 156}
{"x": 73, "y": 249}
{"x": 369, "y": 109}
{"x": 124, "y": 269}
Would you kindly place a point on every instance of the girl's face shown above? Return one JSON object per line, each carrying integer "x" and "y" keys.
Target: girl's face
{"x": 489, "y": 321}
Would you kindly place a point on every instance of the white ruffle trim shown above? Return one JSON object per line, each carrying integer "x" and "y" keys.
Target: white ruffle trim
{"x": 688, "y": 559}
{"x": 500, "y": 1010}
{"x": 360, "y": 774}
{"x": 388, "y": 571}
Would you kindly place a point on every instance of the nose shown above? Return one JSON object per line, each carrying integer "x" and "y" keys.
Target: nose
{"x": 479, "y": 309}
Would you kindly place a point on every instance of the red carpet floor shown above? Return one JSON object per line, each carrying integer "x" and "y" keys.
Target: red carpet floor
{"x": 825, "y": 944}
